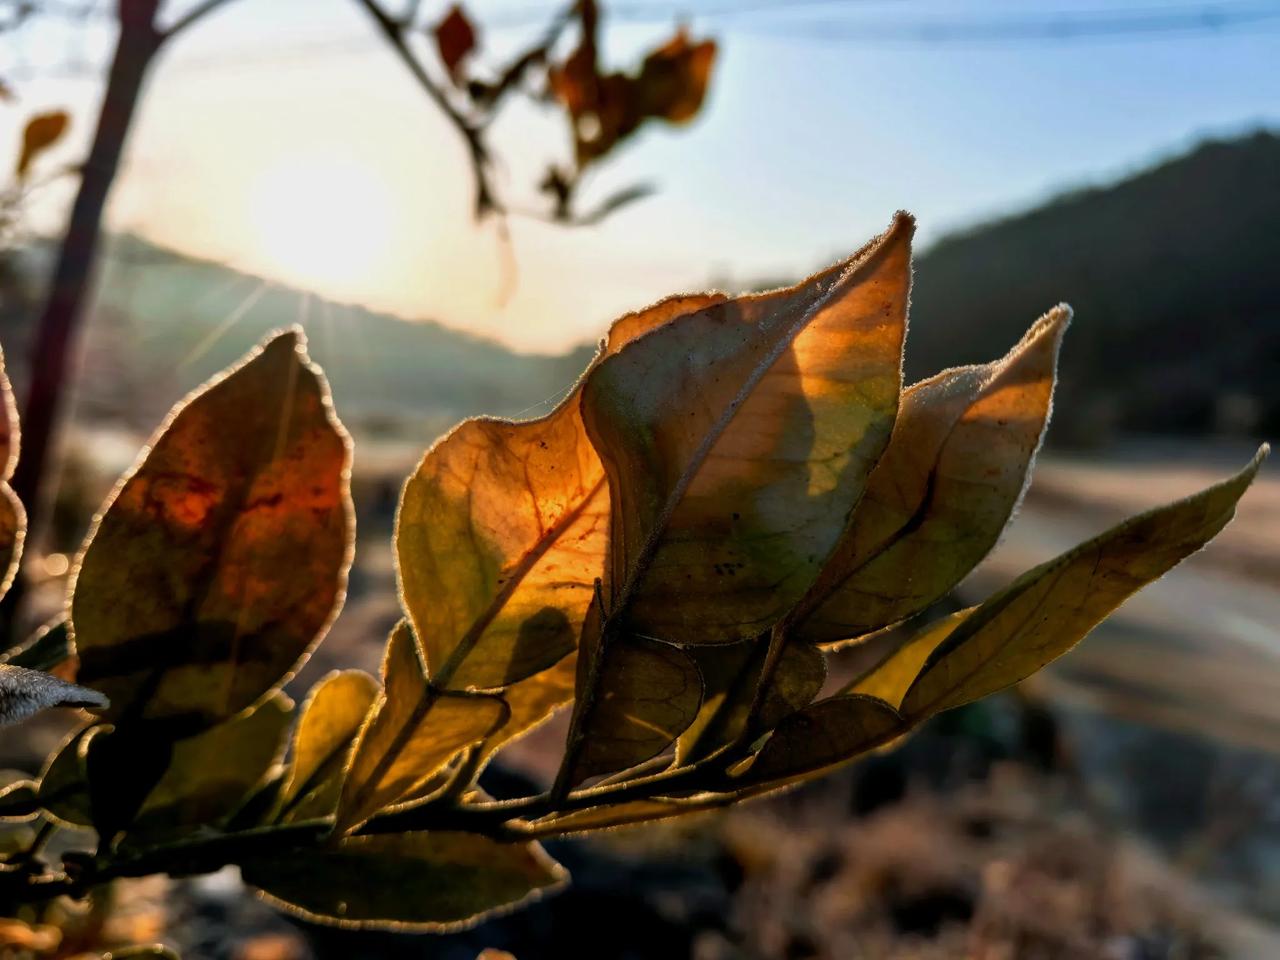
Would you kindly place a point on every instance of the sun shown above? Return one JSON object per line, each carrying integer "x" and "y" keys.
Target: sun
{"x": 322, "y": 223}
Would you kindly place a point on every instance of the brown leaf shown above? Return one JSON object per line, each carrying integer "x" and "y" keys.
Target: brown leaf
{"x": 455, "y": 40}
{"x": 823, "y": 735}
{"x": 328, "y": 725}
{"x": 1048, "y": 610}
{"x": 413, "y": 730}
{"x": 13, "y": 518}
{"x": 673, "y": 79}
{"x": 955, "y": 468}
{"x": 237, "y": 520}
{"x": 413, "y": 881}
{"x": 731, "y": 676}
{"x": 41, "y": 133}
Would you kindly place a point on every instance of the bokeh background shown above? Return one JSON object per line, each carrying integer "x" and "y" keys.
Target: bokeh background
{"x": 284, "y": 168}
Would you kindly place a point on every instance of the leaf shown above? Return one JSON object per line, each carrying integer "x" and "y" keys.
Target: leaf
{"x": 534, "y": 700}
{"x": 455, "y": 40}
{"x": 412, "y": 881}
{"x": 953, "y": 472}
{"x": 26, "y": 692}
{"x": 822, "y": 735}
{"x": 736, "y": 439}
{"x": 49, "y": 647}
{"x": 13, "y": 518}
{"x": 123, "y": 766}
{"x": 211, "y": 774}
{"x": 649, "y": 694}
{"x": 64, "y": 782}
{"x": 412, "y": 732}
{"x": 731, "y": 676}
{"x": 501, "y": 534}
{"x": 221, "y": 559}
{"x": 328, "y": 725}
{"x": 893, "y": 675}
{"x": 18, "y": 800}
{"x": 1048, "y": 610}
{"x": 42, "y": 132}
{"x": 674, "y": 78}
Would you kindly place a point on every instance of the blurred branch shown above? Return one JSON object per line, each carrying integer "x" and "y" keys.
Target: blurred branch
{"x": 194, "y": 15}
{"x": 393, "y": 30}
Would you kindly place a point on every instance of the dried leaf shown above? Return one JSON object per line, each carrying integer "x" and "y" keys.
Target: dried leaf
{"x": 954, "y": 470}
{"x": 238, "y": 521}
{"x": 41, "y": 133}
{"x": 737, "y": 439}
{"x": 412, "y": 732}
{"x": 673, "y": 79}
{"x": 823, "y": 735}
{"x": 46, "y": 649}
{"x": 25, "y": 692}
{"x": 413, "y": 881}
{"x": 1048, "y": 610}
{"x": 64, "y": 782}
{"x": 731, "y": 676}
{"x": 649, "y": 694}
{"x": 13, "y": 518}
{"x": 328, "y": 725}
{"x": 211, "y": 774}
{"x": 455, "y": 40}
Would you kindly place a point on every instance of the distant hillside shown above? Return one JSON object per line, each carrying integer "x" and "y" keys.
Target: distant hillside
{"x": 1174, "y": 275}
{"x": 162, "y": 323}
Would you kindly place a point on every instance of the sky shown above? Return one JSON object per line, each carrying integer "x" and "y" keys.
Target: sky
{"x": 282, "y": 137}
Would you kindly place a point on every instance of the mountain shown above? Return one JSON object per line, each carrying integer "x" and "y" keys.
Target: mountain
{"x": 1174, "y": 274}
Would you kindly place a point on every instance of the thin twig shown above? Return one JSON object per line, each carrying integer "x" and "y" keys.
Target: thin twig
{"x": 192, "y": 16}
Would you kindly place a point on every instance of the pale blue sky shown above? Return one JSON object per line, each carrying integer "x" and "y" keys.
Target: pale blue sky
{"x": 818, "y": 127}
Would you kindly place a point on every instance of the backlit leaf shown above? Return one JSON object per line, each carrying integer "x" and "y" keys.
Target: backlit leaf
{"x": 893, "y": 675}
{"x": 411, "y": 881}
{"x": 649, "y": 693}
{"x": 954, "y": 470}
{"x": 501, "y": 534}
{"x": 64, "y": 782}
{"x": 731, "y": 676}
{"x": 1049, "y": 609}
{"x": 823, "y": 735}
{"x": 412, "y": 732}
{"x": 25, "y": 692}
{"x": 41, "y": 132}
{"x": 328, "y": 724}
{"x": 46, "y": 649}
{"x": 737, "y": 438}
{"x": 211, "y": 774}
{"x": 13, "y": 518}
{"x": 237, "y": 521}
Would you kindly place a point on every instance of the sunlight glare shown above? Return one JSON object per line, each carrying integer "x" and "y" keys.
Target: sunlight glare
{"x": 323, "y": 223}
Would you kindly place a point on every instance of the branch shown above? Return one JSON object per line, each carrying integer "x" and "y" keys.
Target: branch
{"x": 195, "y": 14}
{"x": 392, "y": 30}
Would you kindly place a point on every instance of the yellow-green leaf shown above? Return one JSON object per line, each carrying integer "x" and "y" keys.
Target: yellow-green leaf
{"x": 501, "y": 533}
{"x": 413, "y": 881}
{"x": 211, "y": 774}
{"x": 949, "y": 480}
{"x": 823, "y": 735}
{"x": 222, "y": 557}
{"x": 13, "y": 518}
{"x": 731, "y": 676}
{"x": 1048, "y": 610}
{"x": 737, "y": 438}
{"x": 893, "y": 675}
{"x": 412, "y": 732}
{"x": 328, "y": 724}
